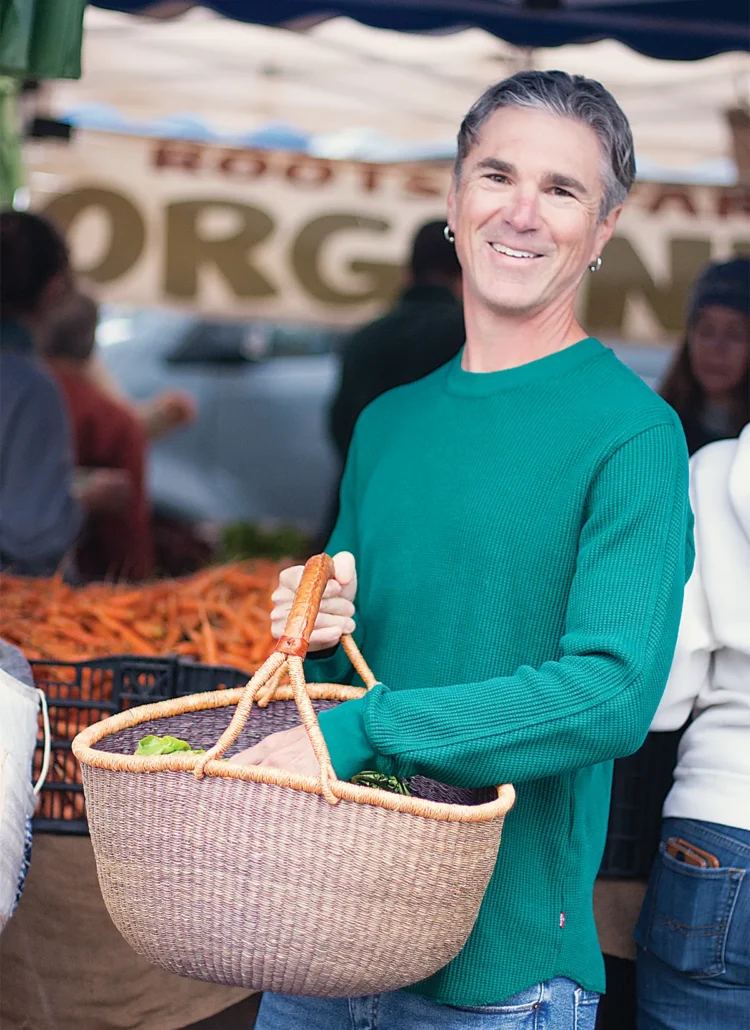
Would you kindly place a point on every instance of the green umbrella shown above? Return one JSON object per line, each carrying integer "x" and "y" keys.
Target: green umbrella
{"x": 11, "y": 158}
{"x": 39, "y": 39}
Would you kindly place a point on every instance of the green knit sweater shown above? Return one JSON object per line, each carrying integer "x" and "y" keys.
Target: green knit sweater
{"x": 522, "y": 539}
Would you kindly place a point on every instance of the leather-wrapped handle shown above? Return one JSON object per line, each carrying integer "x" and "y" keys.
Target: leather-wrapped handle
{"x": 299, "y": 625}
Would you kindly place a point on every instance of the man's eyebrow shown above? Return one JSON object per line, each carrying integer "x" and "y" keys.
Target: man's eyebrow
{"x": 492, "y": 164}
{"x": 566, "y": 182}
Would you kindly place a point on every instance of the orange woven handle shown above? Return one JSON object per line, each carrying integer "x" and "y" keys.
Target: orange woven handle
{"x": 299, "y": 625}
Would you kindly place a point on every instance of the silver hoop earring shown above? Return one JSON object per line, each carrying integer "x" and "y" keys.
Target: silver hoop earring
{"x": 448, "y": 234}
{"x": 595, "y": 265}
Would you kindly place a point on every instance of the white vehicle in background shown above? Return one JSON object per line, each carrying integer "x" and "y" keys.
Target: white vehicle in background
{"x": 259, "y": 451}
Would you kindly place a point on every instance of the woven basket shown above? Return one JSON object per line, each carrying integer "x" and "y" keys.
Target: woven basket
{"x": 270, "y": 880}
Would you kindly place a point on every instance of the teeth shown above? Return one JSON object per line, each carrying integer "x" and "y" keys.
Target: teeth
{"x": 510, "y": 252}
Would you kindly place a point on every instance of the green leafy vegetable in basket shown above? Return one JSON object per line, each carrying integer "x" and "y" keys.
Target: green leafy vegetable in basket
{"x": 153, "y": 745}
{"x": 379, "y": 781}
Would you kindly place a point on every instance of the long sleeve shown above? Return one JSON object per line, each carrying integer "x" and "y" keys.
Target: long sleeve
{"x": 596, "y": 700}
{"x": 39, "y": 519}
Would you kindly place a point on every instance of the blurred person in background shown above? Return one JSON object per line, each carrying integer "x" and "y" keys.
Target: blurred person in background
{"x": 693, "y": 934}
{"x": 115, "y": 544}
{"x": 179, "y": 546}
{"x": 423, "y": 331}
{"x": 708, "y": 383}
{"x": 159, "y": 415}
{"x": 41, "y": 506}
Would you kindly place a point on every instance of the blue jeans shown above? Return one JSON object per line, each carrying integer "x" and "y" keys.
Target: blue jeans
{"x": 693, "y": 934}
{"x": 558, "y": 1004}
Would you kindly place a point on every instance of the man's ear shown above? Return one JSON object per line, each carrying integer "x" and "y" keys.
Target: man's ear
{"x": 604, "y": 231}
{"x": 452, "y": 203}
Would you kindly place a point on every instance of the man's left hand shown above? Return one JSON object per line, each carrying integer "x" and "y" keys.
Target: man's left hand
{"x": 290, "y": 749}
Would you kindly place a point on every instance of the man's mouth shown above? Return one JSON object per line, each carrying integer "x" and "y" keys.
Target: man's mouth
{"x": 511, "y": 252}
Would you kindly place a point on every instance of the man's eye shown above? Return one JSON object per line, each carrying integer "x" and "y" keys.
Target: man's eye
{"x": 497, "y": 177}
{"x": 558, "y": 191}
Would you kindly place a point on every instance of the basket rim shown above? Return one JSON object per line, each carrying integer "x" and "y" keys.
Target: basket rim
{"x": 84, "y": 750}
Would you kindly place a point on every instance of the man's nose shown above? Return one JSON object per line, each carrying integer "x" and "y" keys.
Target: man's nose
{"x": 522, "y": 212}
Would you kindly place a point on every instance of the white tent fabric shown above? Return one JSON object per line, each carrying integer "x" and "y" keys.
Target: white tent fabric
{"x": 345, "y": 90}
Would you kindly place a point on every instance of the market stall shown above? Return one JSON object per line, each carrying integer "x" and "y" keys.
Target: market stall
{"x": 114, "y": 647}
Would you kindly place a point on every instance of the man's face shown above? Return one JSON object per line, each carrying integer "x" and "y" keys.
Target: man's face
{"x": 525, "y": 212}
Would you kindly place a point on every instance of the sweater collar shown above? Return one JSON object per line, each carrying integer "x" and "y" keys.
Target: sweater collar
{"x": 553, "y": 366}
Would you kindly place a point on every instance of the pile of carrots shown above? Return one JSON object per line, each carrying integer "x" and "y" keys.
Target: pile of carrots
{"x": 219, "y": 616}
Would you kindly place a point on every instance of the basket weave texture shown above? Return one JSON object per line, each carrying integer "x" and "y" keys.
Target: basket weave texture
{"x": 269, "y": 880}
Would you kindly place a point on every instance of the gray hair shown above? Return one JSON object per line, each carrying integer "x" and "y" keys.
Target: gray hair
{"x": 570, "y": 96}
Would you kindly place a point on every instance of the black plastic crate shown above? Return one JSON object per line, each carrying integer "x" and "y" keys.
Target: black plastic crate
{"x": 640, "y": 785}
{"x": 82, "y": 693}
{"x": 194, "y": 678}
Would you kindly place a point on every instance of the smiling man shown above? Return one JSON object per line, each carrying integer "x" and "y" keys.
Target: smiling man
{"x": 522, "y": 536}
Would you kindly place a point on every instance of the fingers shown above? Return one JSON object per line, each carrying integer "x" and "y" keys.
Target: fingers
{"x": 290, "y": 578}
{"x": 346, "y": 574}
{"x": 333, "y": 606}
{"x": 321, "y": 639}
{"x": 343, "y": 622}
{"x": 336, "y": 615}
{"x": 251, "y": 756}
{"x": 342, "y": 619}
{"x": 343, "y": 564}
{"x": 272, "y": 750}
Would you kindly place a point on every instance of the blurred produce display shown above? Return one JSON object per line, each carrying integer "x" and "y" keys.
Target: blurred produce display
{"x": 242, "y": 540}
{"x": 219, "y": 616}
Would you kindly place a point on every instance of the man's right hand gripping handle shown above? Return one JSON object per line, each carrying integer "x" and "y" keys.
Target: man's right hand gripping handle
{"x": 336, "y": 615}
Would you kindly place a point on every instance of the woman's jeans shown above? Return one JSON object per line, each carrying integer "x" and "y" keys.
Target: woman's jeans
{"x": 558, "y": 1004}
{"x": 693, "y": 934}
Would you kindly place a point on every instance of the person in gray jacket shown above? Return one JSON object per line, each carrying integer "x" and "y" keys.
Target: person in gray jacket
{"x": 41, "y": 509}
{"x": 39, "y": 517}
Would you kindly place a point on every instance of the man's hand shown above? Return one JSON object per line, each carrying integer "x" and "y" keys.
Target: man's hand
{"x": 290, "y": 749}
{"x": 336, "y": 610}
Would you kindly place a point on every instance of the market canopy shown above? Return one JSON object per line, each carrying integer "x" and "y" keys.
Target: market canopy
{"x": 344, "y": 90}
{"x": 681, "y": 30}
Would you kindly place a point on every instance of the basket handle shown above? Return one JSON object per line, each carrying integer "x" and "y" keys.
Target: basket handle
{"x": 291, "y": 650}
{"x": 301, "y": 619}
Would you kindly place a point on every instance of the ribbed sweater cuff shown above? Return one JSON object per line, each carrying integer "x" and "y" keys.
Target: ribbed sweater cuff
{"x": 343, "y": 729}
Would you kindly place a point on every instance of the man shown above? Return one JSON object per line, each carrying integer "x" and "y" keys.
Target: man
{"x": 41, "y": 509}
{"x": 522, "y": 533}
{"x": 106, "y": 435}
{"x": 423, "y": 331}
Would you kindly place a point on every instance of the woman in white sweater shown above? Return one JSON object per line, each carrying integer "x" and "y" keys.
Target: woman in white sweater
{"x": 693, "y": 934}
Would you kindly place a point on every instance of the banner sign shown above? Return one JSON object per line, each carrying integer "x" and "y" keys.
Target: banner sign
{"x": 274, "y": 235}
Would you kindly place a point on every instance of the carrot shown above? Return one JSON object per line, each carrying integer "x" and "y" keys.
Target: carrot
{"x": 71, "y": 630}
{"x": 174, "y": 630}
{"x": 210, "y": 654}
{"x": 219, "y": 616}
{"x": 129, "y": 635}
